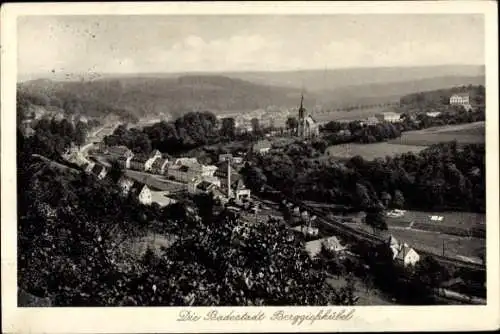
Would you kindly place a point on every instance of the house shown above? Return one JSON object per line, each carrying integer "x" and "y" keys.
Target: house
{"x": 159, "y": 166}
{"x": 137, "y": 162}
{"x": 225, "y": 157}
{"x": 155, "y": 154}
{"x": 262, "y": 146}
{"x": 99, "y": 171}
{"x": 124, "y": 162}
{"x": 238, "y": 160}
{"x": 371, "y": 121}
{"x": 390, "y": 117}
{"x": 88, "y": 167}
{"x": 313, "y": 247}
{"x": 394, "y": 246}
{"x": 182, "y": 173}
{"x": 333, "y": 244}
{"x": 240, "y": 191}
{"x": 459, "y": 99}
{"x": 407, "y": 255}
{"x": 307, "y": 231}
{"x": 186, "y": 161}
{"x": 433, "y": 114}
{"x": 142, "y": 192}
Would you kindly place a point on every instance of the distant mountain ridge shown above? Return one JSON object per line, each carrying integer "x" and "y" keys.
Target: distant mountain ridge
{"x": 156, "y": 94}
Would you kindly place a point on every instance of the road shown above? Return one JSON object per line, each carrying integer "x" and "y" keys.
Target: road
{"x": 97, "y": 136}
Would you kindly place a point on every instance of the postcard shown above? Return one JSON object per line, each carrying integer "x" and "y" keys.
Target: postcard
{"x": 249, "y": 167}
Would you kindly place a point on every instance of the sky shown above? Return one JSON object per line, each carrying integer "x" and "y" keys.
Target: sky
{"x": 174, "y": 43}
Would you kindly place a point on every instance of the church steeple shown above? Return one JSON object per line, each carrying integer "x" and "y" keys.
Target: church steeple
{"x": 302, "y": 109}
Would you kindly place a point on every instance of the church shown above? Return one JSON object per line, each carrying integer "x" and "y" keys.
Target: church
{"x": 307, "y": 126}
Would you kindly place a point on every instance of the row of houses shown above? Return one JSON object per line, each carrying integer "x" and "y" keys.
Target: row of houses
{"x": 196, "y": 177}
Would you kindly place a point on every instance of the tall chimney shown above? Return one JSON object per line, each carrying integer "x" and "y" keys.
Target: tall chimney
{"x": 228, "y": 178}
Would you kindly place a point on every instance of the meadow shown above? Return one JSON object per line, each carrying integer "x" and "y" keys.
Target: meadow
{"x": 454, "y": 246}
{"x": 370, "y": 151}
{"x": 345, "y": 115}
{"x": 470, "y": 133}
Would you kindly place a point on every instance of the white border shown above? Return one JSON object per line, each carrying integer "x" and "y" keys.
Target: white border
{"x": 162, "y": 319}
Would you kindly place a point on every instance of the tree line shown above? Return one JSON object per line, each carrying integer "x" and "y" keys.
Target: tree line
{"x": 440, "y": 177}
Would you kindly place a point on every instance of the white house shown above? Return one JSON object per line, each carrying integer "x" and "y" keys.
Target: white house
{"x": 371, "y": 121}
{"x": 142, "y": 192}
{"x": 241, "y": 192}
{"x": 99, "y": 171}
{"x": 333, "y": 244}
{"x": 89, "y": 167}
{"x": 459, "y": 99}
{"x": 390, "y": 117}
{"x": 186, "y": 161}
{"x": 225, "y": 157}
{"x": 433, "y": 114}
{"x": 407, "y": 255}
{"x": 237, "y": 160}
{"x": 307, "y": 230}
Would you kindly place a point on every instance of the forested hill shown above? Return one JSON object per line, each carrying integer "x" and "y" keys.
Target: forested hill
{"x": 176, "y": 96}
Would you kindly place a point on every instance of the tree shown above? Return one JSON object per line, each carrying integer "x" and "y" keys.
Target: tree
{"x": 363, "y": 199}
{"x": 375, "y": 218}
{"x": 430, "y": 273}
{"x": 385, "y": 198}
{"x": 292, "y": 124}
{"x": 255, "y": 126}
{"x": 398, "y": 200}
{"x": 228, "y": 127}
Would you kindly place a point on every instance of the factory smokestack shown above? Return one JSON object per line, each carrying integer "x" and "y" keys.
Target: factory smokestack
{"x": 228, "y": 178}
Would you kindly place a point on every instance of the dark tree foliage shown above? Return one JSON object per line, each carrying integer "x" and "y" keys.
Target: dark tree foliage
{"x": 76, "y": 238}
{"x": 440, "y": 177}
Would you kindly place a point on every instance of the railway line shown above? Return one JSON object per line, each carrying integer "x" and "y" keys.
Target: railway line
{"x": 344, "y": 230}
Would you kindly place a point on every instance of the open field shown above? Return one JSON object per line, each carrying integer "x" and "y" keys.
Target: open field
{"x": 455, "y": 246}
{"x": 470, "y": 133}
{"x": 356, "y": 114}
{"x": 370, "y": 151}
{"x": 452, "y": 219}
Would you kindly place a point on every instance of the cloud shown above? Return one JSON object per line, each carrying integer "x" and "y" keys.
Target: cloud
{"x": 195, "y": 44}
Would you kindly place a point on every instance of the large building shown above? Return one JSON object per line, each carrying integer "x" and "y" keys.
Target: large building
{"x": 307, "y": 126}
{"x": 459, "y": 99}
{"x": 390, "y": 117}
